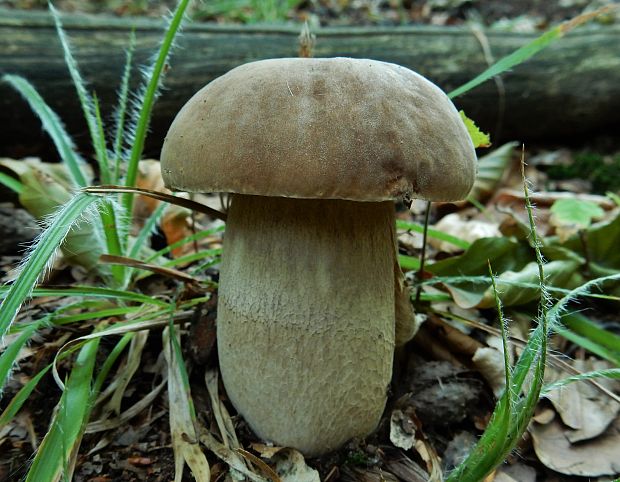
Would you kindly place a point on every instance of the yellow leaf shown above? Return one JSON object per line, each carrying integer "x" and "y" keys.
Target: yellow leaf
{"x": 479, "y": 138}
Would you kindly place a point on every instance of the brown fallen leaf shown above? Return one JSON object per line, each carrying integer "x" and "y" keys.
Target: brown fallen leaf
{"x": 515, "y": 473}
{"x": 406, "y": 469}
{"x": 597, "y": 457}
{"x": 468, "y": 230}
{"x": 149, "y": 177}
{"x": 490, "y": 363}
{"x": 583, "y": 408}
{"x": 176, "y": 225}
{"x": 291, "y": 467}
{"x": 140, "y": 461}
{"x": 402, "y": 430}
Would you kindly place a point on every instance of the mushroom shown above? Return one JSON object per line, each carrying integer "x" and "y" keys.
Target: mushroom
{"x": 314, "y": 152}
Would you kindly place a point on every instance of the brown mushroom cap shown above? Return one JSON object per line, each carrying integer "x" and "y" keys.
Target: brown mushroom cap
{"x": 336, "y": 128}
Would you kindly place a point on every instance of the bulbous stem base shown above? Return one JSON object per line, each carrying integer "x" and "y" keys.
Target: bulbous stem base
{"x": 306, "y": 315}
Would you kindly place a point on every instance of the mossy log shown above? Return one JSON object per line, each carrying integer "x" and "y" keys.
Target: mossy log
{"x": 570, "y": 90}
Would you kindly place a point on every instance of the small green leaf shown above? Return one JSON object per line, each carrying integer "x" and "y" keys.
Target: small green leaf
{"x": 576, "y": 212}
{"x": 479, "y": 138}
{"x": 614, "y": 197}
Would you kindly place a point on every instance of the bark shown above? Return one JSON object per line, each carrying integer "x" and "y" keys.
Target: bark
{"x": 570, "y": 89}
{"x": 306, "y": 317}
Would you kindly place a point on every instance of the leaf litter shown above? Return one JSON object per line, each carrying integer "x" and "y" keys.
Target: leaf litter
{"x": 577, "y": 436}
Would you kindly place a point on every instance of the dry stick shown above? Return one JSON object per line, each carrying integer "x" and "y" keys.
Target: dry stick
{"x": 161, "y": 196}
{"x": 134, "y": 263}
{"x": 193, "y": 226}
{"x": 307, "y": 41}
{"x": 420, "y": 273}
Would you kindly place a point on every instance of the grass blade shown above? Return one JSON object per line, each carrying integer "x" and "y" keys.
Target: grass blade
{"x": 147, "y": 230}
{"x": 86, "y": 101}
{"x": 113, "y": 241}
{"x": 188, "y": 239}
{"x": 102, "y": 153}
{"x": 93, "y": 315}
{"x": 92, "y": 292}
{"x": 56, "y": 455}
{"x": 613, "y": 373}
{"x": 160, "y": 196}
{"x": 153, "y": 76}
{"x": 513, "y": 412}
{"x": 110, "y": 360}
{"x": 408, "y": 263}
{"x": 12, "y": 183}
{"x": 143, "y": 236}
{"x": 529, "y": 50}
{"x": 18, "y": 400}
{"x": 433, "y": 233}
{"x": 90, "y": 108}
{"x": 39, "y": 257}
{"x": 121, "y": 108}
{"x": 52, "y": 125}
{"x": 10, "y": 353}
{"x": 593, "y": 347}
{"x": 588, "y": 329}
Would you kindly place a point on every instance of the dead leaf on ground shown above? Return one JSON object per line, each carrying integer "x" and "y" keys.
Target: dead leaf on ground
{"x": 515, "y": 473}
{"x": 406, "y": 469}
{"x": 176, "y": 225}
{"x": 584, "y": 409}
{"x": 149, "y": 177}
{"x": 291, "y": 467}
{"x": 175, "y": 220}
{"x": 358, "y": 474}
{"x": 184, "y": 436}
{"x": 402, "y": 430}
{"x": 289, "y": 464}
{"x": 458, "y": 449}
{"x": 597, "y": 457}
{"x": 467, "y": 230}
{"x": 490, "y": 363}
{"x": 48, "y": 186}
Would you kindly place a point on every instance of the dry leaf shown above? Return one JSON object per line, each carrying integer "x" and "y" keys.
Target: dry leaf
{"x": 458, "y": 449}
{"x": 149, "y": 177}
{"x": 184, "y": 437}
{"x": 264, "y": 450}
{"x": 583, "y": 408}
{"x": 291, "y": 467}
{"x": 490, "y": 363}
{"x": 175, "y": 224}
{"x": 402, "y": 430}
{"x": 544, "y": 415}
{"x": 356, "y": 474}
{"x": 468, "y": 230}
{"x": 430, "y": 457}
{"x": 515, "y": 473}
{"x": 406, "y": 469}
{"x": 600, "y": 456}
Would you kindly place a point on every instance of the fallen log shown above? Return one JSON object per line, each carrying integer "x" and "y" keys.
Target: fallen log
{"x": 570, "y": 90}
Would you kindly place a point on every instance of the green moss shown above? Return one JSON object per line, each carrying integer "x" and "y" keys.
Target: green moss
{"x": 358, "y": 458}
{"x": 602, "y": 172}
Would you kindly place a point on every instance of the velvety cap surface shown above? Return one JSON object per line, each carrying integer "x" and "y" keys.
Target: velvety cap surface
{"x": 335, "y": 128}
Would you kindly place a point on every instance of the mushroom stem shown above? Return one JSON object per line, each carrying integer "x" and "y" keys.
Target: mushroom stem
{"x": 306, "y": 317}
